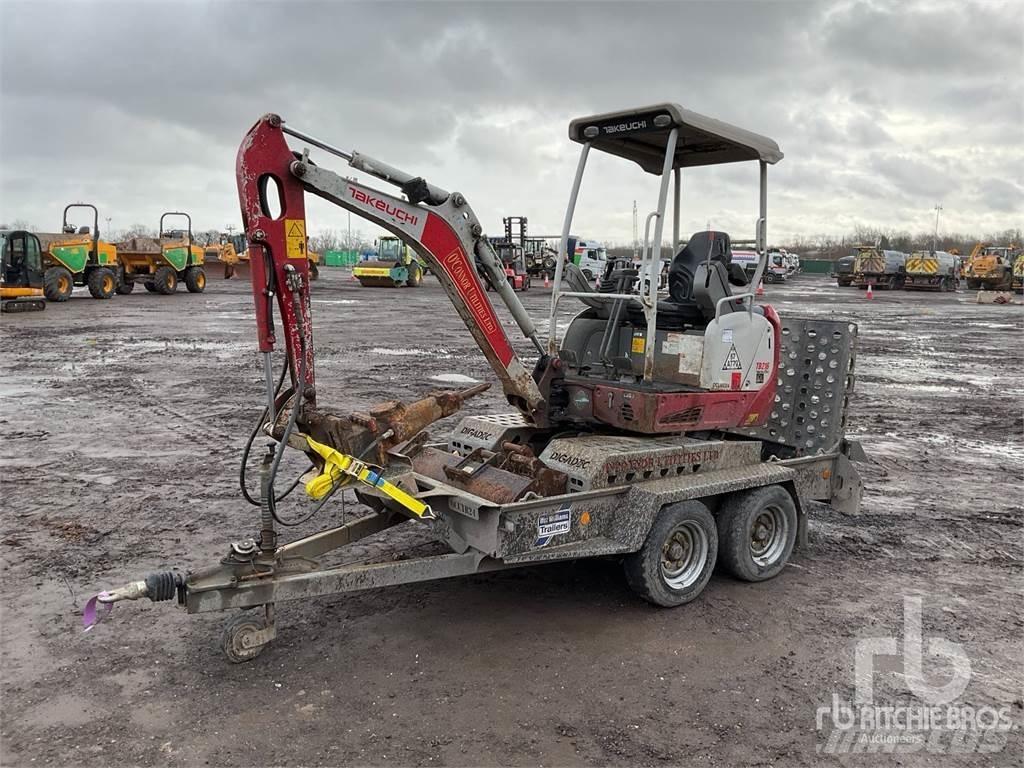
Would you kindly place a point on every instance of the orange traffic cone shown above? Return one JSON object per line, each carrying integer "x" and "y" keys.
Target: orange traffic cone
{"x": 760, "y": 289}
{"x": 547, "y": 283}
{"x": 871, "y": 293}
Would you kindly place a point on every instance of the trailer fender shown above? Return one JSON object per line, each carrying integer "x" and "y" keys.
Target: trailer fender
{"x": 643, "y": 501}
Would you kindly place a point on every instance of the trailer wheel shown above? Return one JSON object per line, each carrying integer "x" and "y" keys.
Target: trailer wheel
{"x": 102, "y": 283}
{"x": 195, "y": 279}
{"x": 165, "y": 281}
{"x": 239, "y": 640}
{"x": 125, "y": 287}
{"x": 756, "y": 532}
{"x": 676, "y": 561}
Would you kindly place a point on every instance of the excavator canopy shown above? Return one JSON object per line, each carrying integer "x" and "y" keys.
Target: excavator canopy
{"x": 641, "y": 135}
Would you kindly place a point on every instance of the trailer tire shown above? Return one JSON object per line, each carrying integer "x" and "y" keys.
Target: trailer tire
{"x": 756, "y": 532}
{"x": 125, "y": 287}
{"x": 57, "y": 284}
{"x": 678, "y": 556}
{"x": 102, "y": 283}
{"x": 235, "y": 640}
{"x": 165, "y": 281}
{"x": 195, "y": 279}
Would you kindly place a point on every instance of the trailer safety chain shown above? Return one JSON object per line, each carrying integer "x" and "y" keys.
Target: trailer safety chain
{"x": 338, "y": 465}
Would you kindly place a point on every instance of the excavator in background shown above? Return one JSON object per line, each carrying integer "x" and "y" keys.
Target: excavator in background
{"x": 77, "y": 256}
{"x": 21, "y": 272}
{"x": 396, "y": 265}
{"x": 990, "y": 267}
{"x": 664, "y": 431}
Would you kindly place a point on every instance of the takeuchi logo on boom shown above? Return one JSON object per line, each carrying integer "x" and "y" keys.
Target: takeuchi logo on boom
{"x": 399, "y": 214}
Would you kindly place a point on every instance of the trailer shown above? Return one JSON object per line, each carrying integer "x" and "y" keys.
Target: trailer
{"x": 675, "y": 434}
{"x": 932, "y": 271}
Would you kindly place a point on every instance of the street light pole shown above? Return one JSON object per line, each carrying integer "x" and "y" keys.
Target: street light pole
{"x": 935, "y": 235}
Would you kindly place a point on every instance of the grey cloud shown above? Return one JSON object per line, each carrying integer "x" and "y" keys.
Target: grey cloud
{"x": 867, "y": 101}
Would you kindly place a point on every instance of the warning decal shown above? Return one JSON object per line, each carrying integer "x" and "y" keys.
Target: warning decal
{"x": 295, "y": 237}
{"x": 732, "y": 360}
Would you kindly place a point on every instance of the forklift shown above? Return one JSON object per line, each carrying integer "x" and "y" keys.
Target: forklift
{"x": 21, "y": 276}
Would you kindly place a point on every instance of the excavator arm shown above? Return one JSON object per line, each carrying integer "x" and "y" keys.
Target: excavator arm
{"x": 439, "y": 226}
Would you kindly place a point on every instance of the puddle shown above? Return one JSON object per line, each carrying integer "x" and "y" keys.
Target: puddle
{"x": 454, "y": 378}
{"x": 413, "y": 352}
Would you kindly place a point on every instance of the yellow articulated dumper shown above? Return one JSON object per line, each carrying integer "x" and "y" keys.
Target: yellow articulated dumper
{"x": 161, "y": 263}
{"x": 932, "y": 271}
{"x": 77, "y": 256}
{"x": 990, "y": 267}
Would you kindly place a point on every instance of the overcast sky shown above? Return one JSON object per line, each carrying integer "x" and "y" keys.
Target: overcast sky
{"x": 882, "y": 109}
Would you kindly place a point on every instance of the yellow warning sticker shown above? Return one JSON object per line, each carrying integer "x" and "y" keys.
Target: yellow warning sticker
{"x": 295, "y": 236}
{"x": 639, "y": 344}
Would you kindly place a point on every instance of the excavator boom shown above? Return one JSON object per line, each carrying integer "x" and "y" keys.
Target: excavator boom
{"x": 440, "y": 227}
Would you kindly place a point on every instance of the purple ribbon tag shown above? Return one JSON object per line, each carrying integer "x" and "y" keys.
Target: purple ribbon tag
{"x": 91, "y": 616}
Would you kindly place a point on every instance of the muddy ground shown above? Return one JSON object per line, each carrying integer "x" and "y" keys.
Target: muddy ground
{"x": 122, "y": 427}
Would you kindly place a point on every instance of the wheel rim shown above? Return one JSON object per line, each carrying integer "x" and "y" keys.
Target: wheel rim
{"x": 201, "y": 280}
{"x": 684, "y": 555}
{"x": 62, "y": 284}
{"x": 108, "y": 284}
{"x": 769, "y": 532}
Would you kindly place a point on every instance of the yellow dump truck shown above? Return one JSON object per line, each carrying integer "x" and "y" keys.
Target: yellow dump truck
{"x": 77, "y": 256}
{"x": 990, "y": 267}
{"x": 932, "y": 271}
{"x": 160, "y": 263}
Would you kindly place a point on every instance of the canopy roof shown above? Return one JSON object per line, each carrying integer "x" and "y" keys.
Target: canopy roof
{"x": 641, "y": 135}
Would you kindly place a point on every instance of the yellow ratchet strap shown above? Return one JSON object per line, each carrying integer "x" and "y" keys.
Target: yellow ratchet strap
{"x": 338, "y": 465}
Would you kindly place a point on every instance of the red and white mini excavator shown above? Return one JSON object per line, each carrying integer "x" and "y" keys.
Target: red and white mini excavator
{"x": 661, "y": 428}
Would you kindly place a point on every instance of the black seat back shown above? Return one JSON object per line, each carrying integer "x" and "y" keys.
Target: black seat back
{"x": 684, "y": 265}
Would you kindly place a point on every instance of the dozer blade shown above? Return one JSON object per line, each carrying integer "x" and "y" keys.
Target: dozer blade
{"x": 239, "y": 270}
